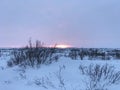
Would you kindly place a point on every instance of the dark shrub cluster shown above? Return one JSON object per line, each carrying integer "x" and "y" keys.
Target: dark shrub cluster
{"x": 32, "y": 56}
{"x": 94, "y": 53}
{"x": 0, "y": 53}
{"x": 77, "y": 53}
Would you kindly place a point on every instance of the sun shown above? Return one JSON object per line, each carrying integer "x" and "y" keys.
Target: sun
{"x": 62, "y": 46}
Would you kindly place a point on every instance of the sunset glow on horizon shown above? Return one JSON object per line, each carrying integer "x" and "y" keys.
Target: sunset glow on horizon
{"x": 62, "y": 46}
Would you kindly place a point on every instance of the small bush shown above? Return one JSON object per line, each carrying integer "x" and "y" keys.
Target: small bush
{"x": 100, "y": 76}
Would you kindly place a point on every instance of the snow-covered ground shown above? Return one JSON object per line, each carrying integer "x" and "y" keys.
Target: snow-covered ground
{"x": 61, "y": 75}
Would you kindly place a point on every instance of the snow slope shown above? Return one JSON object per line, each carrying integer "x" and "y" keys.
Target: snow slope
{"x": 61, "y": 75}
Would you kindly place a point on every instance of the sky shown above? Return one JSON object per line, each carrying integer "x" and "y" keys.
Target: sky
{"x": 79, "y": 23}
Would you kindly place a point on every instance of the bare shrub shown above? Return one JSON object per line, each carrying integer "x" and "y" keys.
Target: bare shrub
{"x": 41, "y": 82}
{"x": 74, "y": 54}
{"x": 60, "y": 78}
{"x": 22, "y": 75}
{"x": 1, "y": 67}
{"x": 7, "y": 82}
{"x": 32, "y": 56}
{"x": 44, "y": 82}
{"x": 100, "y": 76}
{"x": 0, "y": 53}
